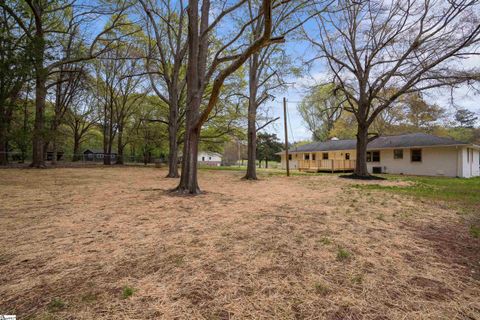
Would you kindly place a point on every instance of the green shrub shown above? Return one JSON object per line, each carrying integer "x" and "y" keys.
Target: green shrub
{"x": 127, "y": 292}
{"x": 343, "y": 254}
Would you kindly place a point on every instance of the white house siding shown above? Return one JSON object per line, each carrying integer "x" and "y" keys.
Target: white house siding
{"x": 469, "y": 163}
{"x": 208, "y": 158}
{"x": 436, "y": 161}
{"x": 476, "y": 163}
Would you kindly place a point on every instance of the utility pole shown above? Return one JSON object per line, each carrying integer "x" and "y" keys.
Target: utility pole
{"x": 287, "y": 161}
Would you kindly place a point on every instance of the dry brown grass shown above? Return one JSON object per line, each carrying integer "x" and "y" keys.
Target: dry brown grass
{"x": 307, "y": 247}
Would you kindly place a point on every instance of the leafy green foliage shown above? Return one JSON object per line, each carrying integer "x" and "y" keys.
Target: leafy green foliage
{"x": 127, "y": 292}
{"x": 320, "y": 109}
{"x": 268, "y": 145}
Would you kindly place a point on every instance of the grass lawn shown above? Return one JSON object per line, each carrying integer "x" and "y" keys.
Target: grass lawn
{"x": 454, "y": 191}
{"x": 114, "y": 243}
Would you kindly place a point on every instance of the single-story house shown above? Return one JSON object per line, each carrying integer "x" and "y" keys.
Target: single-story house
{"x": 209, "y": 158}
{"x": 411, "y": 154}
{"x": 96, "y": 155}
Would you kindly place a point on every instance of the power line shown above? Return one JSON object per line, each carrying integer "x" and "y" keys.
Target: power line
{"x": 290, "y": 125}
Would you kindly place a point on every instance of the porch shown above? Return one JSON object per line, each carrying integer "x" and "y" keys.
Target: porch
{"x": 329, "y": 165}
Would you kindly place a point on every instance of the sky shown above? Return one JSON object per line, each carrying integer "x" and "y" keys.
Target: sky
{"x": 300, "y": 51}
{"x": 463, "y": 97}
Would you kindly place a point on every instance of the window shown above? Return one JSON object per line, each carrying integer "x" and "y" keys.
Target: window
{"x": 313, "y": 156}
{"x": 209, "y": 158}
{"x": 289, "y": 157}
{"x": 203, "y": 158}
{"x": 347, "y": 156}
{"x": 325, "y": 156}
{"x": 306, "y": 156}
{"x": 373, "y": 156}
{"x": 416, "y": 155}
{"x": 397, "y": 153}
{"x": 468, "y": 155}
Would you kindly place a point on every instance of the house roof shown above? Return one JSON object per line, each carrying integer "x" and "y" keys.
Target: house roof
{"x": 210, "y": 153}
{"x": 384, "y": 142}
{"x": 100, "y": 151}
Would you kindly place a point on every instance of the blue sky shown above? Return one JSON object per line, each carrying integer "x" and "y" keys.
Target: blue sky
{"x": 301, "y": 51}
{"x": 463, "y": 97}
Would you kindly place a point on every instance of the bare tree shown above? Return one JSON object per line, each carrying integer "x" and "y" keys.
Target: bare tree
{"x": 269, "y": 67}
{"x": 166, "y": 65}
{"x": 202, "y": 71}
{"x": 378, "y": 51}
{"x": 81, "y": 115}
{"x": 127, "y": 97}
{"x": 266, "y": 73}
{"x": 67, "y": 86}
{"x": 107, "y": 76}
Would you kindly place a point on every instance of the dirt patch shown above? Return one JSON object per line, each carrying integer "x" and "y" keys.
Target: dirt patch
{"x": 304, "y": 247}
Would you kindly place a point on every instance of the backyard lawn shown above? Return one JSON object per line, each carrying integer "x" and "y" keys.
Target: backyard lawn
{"x": 114, "y": 243}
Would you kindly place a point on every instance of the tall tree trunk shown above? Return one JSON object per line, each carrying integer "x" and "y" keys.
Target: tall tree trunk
{"x": 38, "y": 160}
{"x": 76, "y": 147}
{"x": 3, "y": 141}
{"x": 120, "y": 146}
{"x": 106, "y": 142}
{"x": 5, "y": 117}
{"x": 173, "y": 152}
{"x": 24, "y": 144}
{"x": 107, "y": 127}
{"x": 251, "y": 151}
{"x": 362, "y": 142}
{"x": 188, "y": 180}
{"x": 41, "y": 76}
{"x": 54, "y": 140}
{"x": 173, "y": 134}
{"x": 252, "y": 117}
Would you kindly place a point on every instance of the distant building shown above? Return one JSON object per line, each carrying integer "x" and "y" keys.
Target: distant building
{"x": 96, "y": 155}
{"x": 209, "y": 158}
{"x": 413, "y": 154}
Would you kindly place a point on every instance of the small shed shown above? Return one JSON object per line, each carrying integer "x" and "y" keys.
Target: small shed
{"x": 96, "y": 155}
